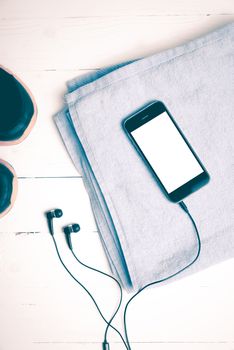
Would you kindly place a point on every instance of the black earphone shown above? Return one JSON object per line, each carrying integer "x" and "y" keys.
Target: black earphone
{"x": 50, "y": 215}
{"x": 57, "y": 213}
{"x": 68, "y": 230}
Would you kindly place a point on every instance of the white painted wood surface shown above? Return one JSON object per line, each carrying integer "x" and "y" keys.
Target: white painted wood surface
{"x": 47, "y": 43}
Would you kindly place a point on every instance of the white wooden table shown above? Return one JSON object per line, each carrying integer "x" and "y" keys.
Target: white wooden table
{"x": 46, "y": 43}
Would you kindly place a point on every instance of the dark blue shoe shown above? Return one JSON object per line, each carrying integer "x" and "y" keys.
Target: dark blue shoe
{"x": 17, "y": 109}
{"x": 17, "y": 116}
{"x": 8, "y": 187}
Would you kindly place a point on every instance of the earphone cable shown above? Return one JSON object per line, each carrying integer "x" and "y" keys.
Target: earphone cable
{"x": 90, "y": 295}
{"x": 184, "y": 207}
{"x": 114, "y": 279}
{"x": 108, "y": 323}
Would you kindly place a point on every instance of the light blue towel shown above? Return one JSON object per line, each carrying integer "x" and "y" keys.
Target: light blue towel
{"x": 145, "y": 236}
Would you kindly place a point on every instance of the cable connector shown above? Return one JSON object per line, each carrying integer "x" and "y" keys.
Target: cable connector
{"x": 183, "y": 206}
{"x": 105, "y": 345}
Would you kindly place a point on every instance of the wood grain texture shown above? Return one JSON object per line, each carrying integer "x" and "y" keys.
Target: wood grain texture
{"x": 41, "y": 307}
{"x": 89, "y": 8}
{"x": 92, "y": 42}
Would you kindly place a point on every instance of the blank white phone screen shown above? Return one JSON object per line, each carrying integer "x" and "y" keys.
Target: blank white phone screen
{"x": 167, "y": 152}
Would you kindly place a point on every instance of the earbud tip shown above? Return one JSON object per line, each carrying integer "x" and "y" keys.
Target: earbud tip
{"x": 76, "y": 227}
{"x": 58, "y": 213}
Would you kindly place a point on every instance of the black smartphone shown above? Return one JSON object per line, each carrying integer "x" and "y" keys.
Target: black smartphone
{"x": 166, "y": 151}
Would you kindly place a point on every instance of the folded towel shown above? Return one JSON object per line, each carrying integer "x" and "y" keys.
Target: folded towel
{"x": 145, "y": 236}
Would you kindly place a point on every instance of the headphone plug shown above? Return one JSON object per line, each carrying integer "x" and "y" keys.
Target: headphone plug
{"x": 183, "y": 206}
{"x": 105, "y": 345}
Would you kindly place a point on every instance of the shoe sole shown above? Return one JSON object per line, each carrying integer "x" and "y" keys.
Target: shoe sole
{"x": 14, "y": 187}
{"x": 33, "y": 119}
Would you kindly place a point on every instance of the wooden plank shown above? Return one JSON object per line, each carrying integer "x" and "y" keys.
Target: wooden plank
{"x": 53, "y": 8}
{"x": 135, "y": 346}
{"x": 36, "y": 195}
{"x": 92, "y": 42}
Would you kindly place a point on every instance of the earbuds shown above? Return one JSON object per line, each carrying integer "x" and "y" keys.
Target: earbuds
{"x": 55, "y": 213}
{"x": 68, "y": 230}
{"x": 50, "y": 215}
{"x": 71, "y": 228}
{"x": 58, "y": 213}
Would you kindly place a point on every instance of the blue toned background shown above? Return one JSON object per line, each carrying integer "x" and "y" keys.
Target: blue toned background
{"x": 46, "y": 44}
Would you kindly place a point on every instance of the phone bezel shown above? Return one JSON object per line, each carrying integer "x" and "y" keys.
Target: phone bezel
{"x": 142, "y": 117}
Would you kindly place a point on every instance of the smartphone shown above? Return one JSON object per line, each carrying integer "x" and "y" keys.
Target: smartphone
{"x": 166, "y": 151}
